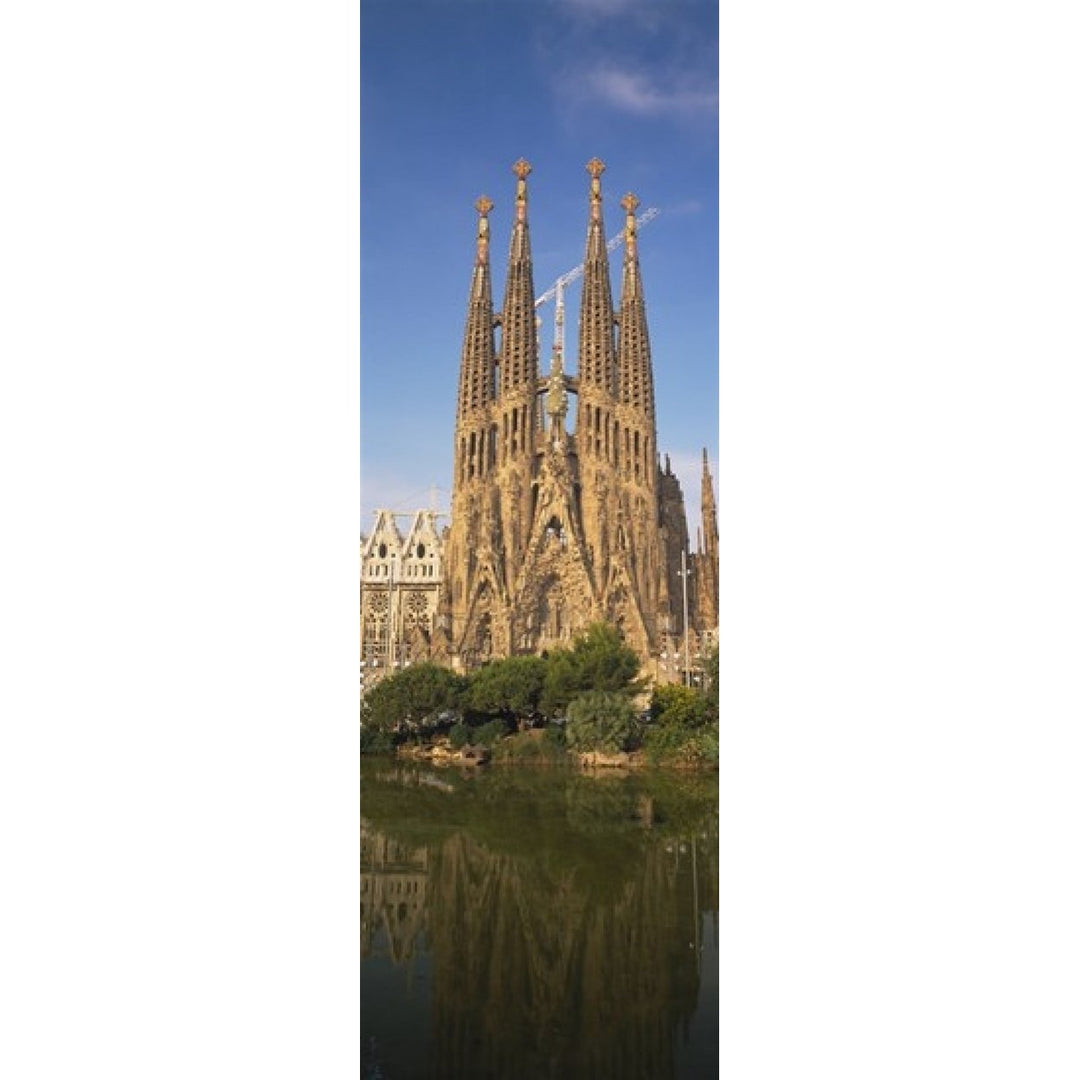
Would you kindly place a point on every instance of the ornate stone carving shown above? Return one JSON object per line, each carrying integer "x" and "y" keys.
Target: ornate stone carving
{"x": 548, "y": 534}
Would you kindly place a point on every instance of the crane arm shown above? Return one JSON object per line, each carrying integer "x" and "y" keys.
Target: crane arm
{"x": 573, "y": 275}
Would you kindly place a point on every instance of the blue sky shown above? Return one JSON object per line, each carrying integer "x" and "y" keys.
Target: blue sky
{"x": 452, "y": 93}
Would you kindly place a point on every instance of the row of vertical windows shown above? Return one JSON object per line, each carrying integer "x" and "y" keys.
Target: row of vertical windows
{"x": 410, "y": 568}
{"x": 476, "y": 455}
{"x": 602, "y": 439}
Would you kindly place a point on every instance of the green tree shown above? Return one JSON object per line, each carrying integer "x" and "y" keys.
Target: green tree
{"x": 488, "y": 734}
{"x": 601, "y": 720}
{"x": 509, "y": 689}
{"x": 414, "y": 695}
{"x": 711, "y": 681}
{"x": 674, "y": 705}
{"x": 599, "y": 660}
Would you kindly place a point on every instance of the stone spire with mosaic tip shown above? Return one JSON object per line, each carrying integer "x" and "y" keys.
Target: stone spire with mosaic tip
{"x": 596, "y": 347}
{"x": 635, "y": 380}
{"x": 518, "y": 358}
{"x": 476, "y": 385}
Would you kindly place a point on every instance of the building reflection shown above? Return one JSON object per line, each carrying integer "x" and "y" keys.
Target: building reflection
{"x": 576, "y": 965}
{"x": 393, "y": 892}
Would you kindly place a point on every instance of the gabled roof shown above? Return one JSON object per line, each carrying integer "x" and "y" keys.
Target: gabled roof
{"x": 385, "y": 532}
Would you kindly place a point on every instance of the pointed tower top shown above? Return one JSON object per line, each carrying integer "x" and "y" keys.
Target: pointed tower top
{"x": 483, "y": 206}
{"x": 518, "y": 359}
{"x": 594, "y": 169}
{"x": 521, "y": 169}
{"x": 705, "y": 459}
{"x": 630, "y": 203}
{"x": 596, "y": 336}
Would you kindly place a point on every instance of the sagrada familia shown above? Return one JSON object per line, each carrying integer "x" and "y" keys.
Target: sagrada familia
{"x": 551, "y": 529}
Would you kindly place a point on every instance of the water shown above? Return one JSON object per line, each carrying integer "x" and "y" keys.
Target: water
{"x": 537, "y": 922}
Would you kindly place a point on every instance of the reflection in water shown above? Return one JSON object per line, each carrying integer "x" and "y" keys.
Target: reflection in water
{"x": 559, "y": 916}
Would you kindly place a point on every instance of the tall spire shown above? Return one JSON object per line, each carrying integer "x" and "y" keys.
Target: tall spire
{"x": 635, "y": 360}
{"x": 708, "y": 507}
{"x": 596, "y": 348}
{"x": 707, "y": 588}
{"x": 477, "y": 381}
{"x": 519, "y": 349}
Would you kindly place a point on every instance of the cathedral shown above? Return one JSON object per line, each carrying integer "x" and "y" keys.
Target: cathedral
{"x": 553, "y": 524}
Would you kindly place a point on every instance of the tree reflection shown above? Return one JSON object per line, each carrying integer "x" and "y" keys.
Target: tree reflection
{"x": 560, "y": 912}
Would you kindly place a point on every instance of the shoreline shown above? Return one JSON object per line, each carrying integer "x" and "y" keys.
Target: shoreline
{"x": 589, "y": 761}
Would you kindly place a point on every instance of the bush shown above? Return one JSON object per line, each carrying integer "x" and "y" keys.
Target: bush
{"x": 373, "y": 741}
{"x": 601, "y": 720}
{"x": 674, "y": 705}
{"x": 459, "y": 735}
{"x": 705, "y": 745}
{"x": 598, "y": 661}
{"x": 486, "y": 734}
{"x": 509, "y": 688}
{"x": 675, "y": 744}
{"x": 554, "y": 736}
{"x": 415, "y": 694}
{"x": 529, "y": 748}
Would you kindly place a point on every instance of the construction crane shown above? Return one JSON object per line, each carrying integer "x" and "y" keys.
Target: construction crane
{"x": 571, "y": 276}
{"x": 613, "y": 243}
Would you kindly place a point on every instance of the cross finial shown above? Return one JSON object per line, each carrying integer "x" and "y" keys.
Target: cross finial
{"x": 595, "y": 168}
{"x": 522, "y": 168}
{"x": 630, "y": 202}
{"x": 483, "y": 205}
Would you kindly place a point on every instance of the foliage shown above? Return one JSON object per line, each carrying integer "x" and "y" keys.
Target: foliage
{"x": 459, "y": 735}
{"x": 711, "y": 680}
{"x": 601, "y": 720}
{"x": 705, "y": 745}
{"x": 676, "y": 744}
{"x": 486, "y": 734}
{"x": 683, "y": 728}
{"x": 530, "y": 747}
{"x": 415, "y": 695}
{"x": 554, "y": 735}
{"x": 510, "y": 688}
{"x": 598, "y": 662}
{"x": 373, "y": 741}
{"x": 674, "y": 705}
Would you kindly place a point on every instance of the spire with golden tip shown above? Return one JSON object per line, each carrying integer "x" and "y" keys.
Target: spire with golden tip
{"x": 521, "y": 169}
{"x": 635, "y": 359}
{"x": 519, "y": 361}
{"x": 477, "y": 381}
{"x": 596, "y": 345}
{"x": 483, "y": 207}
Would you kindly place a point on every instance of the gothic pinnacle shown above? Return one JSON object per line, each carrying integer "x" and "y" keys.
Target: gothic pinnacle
{"x": 521, "y": 169}
{"x": 630, "y": 203}
{"x": 483, "y": 208}
{"x": 594, "y": 168}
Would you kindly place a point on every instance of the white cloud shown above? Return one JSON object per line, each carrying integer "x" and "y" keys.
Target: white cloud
{"x": 642, "y": 95}
{"x": 687, "y": 206}
{"x": 599, "y": 8}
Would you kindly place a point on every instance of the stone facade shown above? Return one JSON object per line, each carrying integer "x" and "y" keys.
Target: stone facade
{"x": 401, "y": 582}
{"x": 551, "y": 529}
